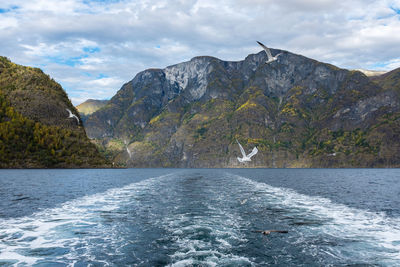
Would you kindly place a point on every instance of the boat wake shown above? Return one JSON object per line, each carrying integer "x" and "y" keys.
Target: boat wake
{"x": 200, "y": 218}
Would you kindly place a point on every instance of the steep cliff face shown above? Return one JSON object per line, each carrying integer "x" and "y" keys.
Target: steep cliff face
{"x": 35, "y": 131}
{"x": 298, "y": 111}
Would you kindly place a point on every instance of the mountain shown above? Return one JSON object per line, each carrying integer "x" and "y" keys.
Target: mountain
{"x": 35, "y": 131}
{"x": 371, "y": 73}
{"x": 299, "y": 113}
{"x": 89, "y": 106}
{"x": 389, "y": 80}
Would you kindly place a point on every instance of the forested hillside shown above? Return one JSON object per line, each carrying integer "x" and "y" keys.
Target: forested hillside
{"x": 35, "y": 131}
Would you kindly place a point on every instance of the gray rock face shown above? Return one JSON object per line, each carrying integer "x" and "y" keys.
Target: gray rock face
{"x": 190, "y": 76}
{"x": 290, "y": 100}
{"x": 198, "y": 79}
{"x": 204, "y": 78}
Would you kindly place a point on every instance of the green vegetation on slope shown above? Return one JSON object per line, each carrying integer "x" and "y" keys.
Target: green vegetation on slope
{"x": 91, "y": 105}
{"x": 294, "y": 136}
{"x": 34, "y": 129}
{"x": 298, "y": 112}
{"x": 389, "y": 80}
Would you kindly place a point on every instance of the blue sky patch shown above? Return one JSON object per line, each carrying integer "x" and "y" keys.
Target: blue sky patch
{"x": 72, "y": 61}
{"x": 6, "y": 10}
{"x": 87, "y": 74}
{"x": 101, "y": 1}
{"x": 91, "y": 49}
{"x": 397, "y": 10}
{"x": 101, "y": 76}
{"x": 378, "y": 66}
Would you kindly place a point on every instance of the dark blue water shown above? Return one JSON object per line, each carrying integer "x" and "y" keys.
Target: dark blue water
{"x": 192, "y": 217}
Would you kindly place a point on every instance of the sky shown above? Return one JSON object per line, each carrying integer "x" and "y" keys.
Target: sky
{"x": 93, "y": 47}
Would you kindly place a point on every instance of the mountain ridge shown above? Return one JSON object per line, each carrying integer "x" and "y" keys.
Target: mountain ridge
{"x": 298, "y": 111}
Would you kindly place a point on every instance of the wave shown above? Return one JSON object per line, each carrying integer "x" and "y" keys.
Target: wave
{"x": 363, "y": 236}
{"x": 68, "y": 232}
{"x": 200, "y": 218}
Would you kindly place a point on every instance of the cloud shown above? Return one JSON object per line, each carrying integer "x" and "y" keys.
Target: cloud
{"x": 393, "y": 64}
{"x": 93, "y": 47}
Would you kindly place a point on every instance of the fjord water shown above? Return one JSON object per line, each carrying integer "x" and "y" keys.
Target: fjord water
{"x": 200, "y": 217}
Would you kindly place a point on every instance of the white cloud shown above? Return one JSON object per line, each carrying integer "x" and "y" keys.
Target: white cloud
{"x": 391, "y": 64}
{"x": 96, "y": 46}
{"x": 103, "y": 82}
{"x": 7, "y": 23}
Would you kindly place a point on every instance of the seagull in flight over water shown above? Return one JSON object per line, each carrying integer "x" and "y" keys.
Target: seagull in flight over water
{"x": 269, "y": 55}
{"x": 71, "y": 115}
{"x": 246, "y": 157}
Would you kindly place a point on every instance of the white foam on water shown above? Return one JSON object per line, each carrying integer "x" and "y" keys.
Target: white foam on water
{"x": 227, "y": 260}
{"x": 204, "y": 236}
{"x": 368, "y": 236}
{"x": 207, "y": 238}
{"x": 55, "y": 227}
{"x": 13, "y": 256}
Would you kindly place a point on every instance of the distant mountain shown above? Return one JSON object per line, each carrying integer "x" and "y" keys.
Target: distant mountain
{"x": 371, "y": 73}
{"x": 35, "y": 131}
{"x": 299, "y": 113}
{"x": 90, "y": 106}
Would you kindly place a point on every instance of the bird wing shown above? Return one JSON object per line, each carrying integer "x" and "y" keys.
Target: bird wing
{"x": 241, "y": 149}
{"x": 71, "y": 115}
{"x": 76, "y": 117}
{"x": 266, "y": 50}
{"x": 253, "y": 152}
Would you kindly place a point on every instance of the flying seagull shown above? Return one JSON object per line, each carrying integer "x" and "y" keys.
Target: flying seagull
{"x": 71, "y": 115}
{"x": 246, "y": 157}
{"x": 267, "y": 232}
{"x": 269, "y": 55}
{"x": 129, "y": 152}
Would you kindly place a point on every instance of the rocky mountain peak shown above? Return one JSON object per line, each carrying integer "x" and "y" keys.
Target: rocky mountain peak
{"x": 190, "y": 75}
{"x": 190, "y": 114}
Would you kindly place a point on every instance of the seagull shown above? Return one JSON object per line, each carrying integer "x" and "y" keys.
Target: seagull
{"x": 246, "y": 157}
{"x": 72, "y": 115}
{"x": 129, "y": 152}
{"x": 267, "y": 232}
{"x": 269, "y": 55}
{"x": 243, "y": 201}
